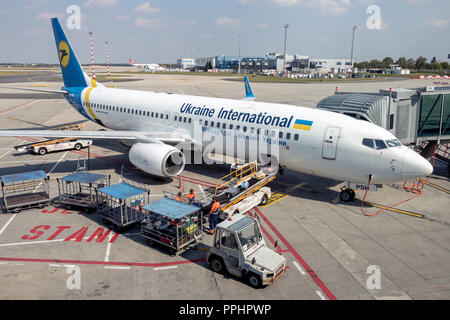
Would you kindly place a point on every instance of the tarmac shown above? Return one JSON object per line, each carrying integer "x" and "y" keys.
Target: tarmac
{"x": 331, "y": 248}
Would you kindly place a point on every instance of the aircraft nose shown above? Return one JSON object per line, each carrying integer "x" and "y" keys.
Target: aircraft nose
{"x": 415, "y": 166}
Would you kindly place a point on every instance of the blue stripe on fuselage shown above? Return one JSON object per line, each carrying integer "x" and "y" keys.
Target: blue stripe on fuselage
{"x": 74, "y": 98}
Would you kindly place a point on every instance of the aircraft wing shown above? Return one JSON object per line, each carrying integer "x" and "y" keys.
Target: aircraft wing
{"x": 149, "y": 137}
{"x": 37, "y": 90}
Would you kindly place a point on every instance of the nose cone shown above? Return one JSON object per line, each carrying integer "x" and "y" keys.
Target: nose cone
{"x": 415, "y": 166}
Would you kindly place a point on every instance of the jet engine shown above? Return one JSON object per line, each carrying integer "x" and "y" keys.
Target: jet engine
{"x": 157, "y": 158}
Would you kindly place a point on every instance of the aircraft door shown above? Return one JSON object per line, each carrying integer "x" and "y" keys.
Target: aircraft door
{"x": 330, "y": 142}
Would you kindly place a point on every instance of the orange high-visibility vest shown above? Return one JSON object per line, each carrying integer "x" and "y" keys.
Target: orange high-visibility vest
{"x": 190, "y": 196}
{"x": 215, "y": 207}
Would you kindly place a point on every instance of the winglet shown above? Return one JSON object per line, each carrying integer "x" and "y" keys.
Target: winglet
{"x": 70, "y": 67}
{"x": 248, "y": 90}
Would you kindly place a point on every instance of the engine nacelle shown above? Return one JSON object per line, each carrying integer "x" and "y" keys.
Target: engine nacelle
{"x": 157, "y": 159}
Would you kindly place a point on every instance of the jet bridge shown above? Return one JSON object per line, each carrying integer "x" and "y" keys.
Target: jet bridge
{"x": 413, "y": 115}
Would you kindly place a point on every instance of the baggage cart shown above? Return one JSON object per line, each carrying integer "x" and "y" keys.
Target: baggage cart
{"x": 173, "y": 224}
{"x": 79, "y": 189}
{"x": 25, "y": 190}
{"x": 121, "y": 205}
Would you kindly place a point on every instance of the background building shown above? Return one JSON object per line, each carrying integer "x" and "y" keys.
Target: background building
{"x": 186, "y": 63}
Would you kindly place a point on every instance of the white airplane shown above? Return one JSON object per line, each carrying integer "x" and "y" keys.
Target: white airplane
{"x": 311, "y": 141}
{"x": 147, "y": 66}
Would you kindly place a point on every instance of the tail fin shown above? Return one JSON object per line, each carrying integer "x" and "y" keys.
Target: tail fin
{"x": 248, "y": 90}
{"x": 70, "y": 67}
{"x": 131, "y": 61}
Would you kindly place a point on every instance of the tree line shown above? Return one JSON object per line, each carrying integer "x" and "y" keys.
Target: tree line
{"x": 421, "y": 63}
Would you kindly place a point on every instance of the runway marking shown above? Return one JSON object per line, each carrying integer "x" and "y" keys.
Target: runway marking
{"x": 108, "y": 248}
{"x": 117, "y": 268}
{"x": 294, "y": 252}
{"x": 432, "y": 185}
{"x": 10, "y": 151}
{"x": 275, "y": 197}
{"x": 165, "y": 268}
{"x": 320, "y": 295}
{"x": 299, "y": 268}
{"x": 7, "y": 223}
{"x": 109, "y": 263}
{"x": 12, "y": 263}
{"x": 32, "y": 242}
{"x": 413, "y": 214}
{"x": 51, "y": 170}
{"x": 18, "y": 107}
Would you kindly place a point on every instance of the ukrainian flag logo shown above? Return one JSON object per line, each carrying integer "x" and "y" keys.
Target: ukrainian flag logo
{"x": 303, "y": 124}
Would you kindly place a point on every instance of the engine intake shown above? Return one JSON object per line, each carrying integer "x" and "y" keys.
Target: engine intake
{"x": 158, "y": 159}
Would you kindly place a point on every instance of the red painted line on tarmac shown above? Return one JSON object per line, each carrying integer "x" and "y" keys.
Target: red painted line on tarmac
{"x": 269, "y": 237}
{"x": 17, "y": 107}
{"x": 109, "y": 263}
{"x": 308, "y": 269}
{"x": 194, "y": 180}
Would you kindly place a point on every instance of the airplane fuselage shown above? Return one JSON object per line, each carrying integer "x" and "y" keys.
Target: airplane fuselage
{"x": 306, "y": 140}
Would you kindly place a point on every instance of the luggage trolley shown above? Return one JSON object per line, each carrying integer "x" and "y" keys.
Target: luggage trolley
{"x": 25, "y": 190}
{"x": 172, "y": 224}
{"x": 78, "y": 189}
{"x": 121, "y": 205}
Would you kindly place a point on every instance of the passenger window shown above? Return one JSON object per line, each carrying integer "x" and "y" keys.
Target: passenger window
{"x": 167, "y": 117}
{"x": 266, "y": 132}
{"x": 162, "y": 116}
{"x": 368, "y": 143}
{"x": 184, "y": 119}
{"x": 175, "y": 118}
{"x": 380, "y": 144}
{"x": 153, "y": 114}
{"x": 218, "y": 125}
{"x": 252, "y": 130}
{"x": 189, "y": 120}
{"x": 224, "y": 125}
{"x": 288, "y": 135}
{"x": 273, "y": 133}
{"x": 296, "y": 137}
{"x": 238, "y": 128}
{"x": 258, "y": 131}
{"x": 280, "y": 134}
{"x": 206, "y": 122}
{"x": 244, "y": 128}
{"x": 212, "y": 123}
{"x": 231, "y": 126}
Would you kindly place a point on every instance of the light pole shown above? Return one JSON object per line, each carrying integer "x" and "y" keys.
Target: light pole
{"x": 353, "y": 43}
{"x": 239, "y": 53}
{"x": 286, "y": 26}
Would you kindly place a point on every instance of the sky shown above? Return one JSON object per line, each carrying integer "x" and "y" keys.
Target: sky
{"x": 160, "y": 31}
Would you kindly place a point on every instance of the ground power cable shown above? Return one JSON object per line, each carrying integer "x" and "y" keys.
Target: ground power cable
{"x": 415, "y": 188}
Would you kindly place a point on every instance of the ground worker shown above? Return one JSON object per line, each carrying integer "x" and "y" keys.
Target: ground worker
{"x": 190, "y": 197}
{"x": 179, "y": 197}
{"x": 214, "y": 216}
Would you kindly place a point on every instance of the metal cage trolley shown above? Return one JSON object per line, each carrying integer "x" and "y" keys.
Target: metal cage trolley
{"x": 79, "y": 189}
{"x": 25, "y": 190}
{"x": 172, "y": 224}
{"x": 121, "y": 204}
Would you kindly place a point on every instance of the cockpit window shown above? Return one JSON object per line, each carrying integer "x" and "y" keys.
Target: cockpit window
{"x": 393, "y": 143}
{"x": 380, "y": 144}
{"x": 368, "y": 143}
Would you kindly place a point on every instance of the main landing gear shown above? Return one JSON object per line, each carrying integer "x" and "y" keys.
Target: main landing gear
{"x": 347, "y": 195}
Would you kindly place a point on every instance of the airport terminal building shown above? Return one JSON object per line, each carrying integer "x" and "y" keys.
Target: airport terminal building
{"x": 274, "y": 63}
